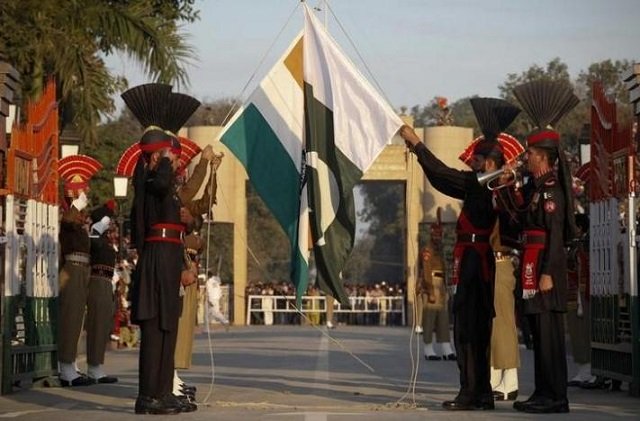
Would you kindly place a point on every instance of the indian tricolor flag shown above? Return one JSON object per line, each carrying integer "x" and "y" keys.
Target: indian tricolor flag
{"x": 307, "y": 135}
{"x": 266, "y": 135}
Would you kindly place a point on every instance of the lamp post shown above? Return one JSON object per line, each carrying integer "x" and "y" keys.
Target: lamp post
{"x": 68, "y": 150}
{"x": 120, "y": 185}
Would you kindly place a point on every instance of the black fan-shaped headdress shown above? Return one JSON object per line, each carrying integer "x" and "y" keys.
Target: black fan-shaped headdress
{"x": 545, "y": 102}
{"x": 494, "y": 115}
{"x": 148, "y": 102}
{"x": 178, "y": 110}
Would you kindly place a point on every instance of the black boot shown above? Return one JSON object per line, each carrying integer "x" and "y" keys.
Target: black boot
{"x": 182, "y": 402}
{"x": 148, "y": 405}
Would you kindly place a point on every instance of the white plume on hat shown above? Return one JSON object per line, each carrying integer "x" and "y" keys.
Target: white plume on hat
{"x": 101, "y": 226}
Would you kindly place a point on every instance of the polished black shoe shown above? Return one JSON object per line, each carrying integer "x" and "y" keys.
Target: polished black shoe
{"x": 547, "y": 406}
{"x": 78, "y": 381}
{"x": 485, "y": 403}
{"x": 104, "y": 380}
{"x": 575, "y": 383}
{"x": 183, "y": 402}
{"x": 451, "y": 357}
{"x": 147, "y": 405}
{"x": 432, "y": 358}
{"x": 520, "y": 405}
{"x": 501, "y": 396}
{"x": 459, "y": 405}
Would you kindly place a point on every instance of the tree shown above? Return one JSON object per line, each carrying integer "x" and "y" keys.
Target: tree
{"x": 385, "y": 212}
{"x": 67, "y": 40}
{"x": 429, "y": 115}
{"x": 216, "y": 113}
{"x": 269, "y": 249}
{"x": 608, "y": 73}
{"x": 555, "y": 70}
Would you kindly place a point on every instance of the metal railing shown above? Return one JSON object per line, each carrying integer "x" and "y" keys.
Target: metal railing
{"x": 317, "y": 304}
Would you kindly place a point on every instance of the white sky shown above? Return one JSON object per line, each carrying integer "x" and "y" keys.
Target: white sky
{"x": 415, "y": 49}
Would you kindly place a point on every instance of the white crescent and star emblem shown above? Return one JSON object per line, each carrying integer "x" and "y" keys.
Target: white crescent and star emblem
{"x": 329, "y": 195}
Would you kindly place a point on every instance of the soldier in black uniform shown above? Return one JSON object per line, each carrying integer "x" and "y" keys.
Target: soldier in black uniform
{"x": 157, "y": 233}
{"x": 548, "y": 225}
{"x": 474, "y": 263}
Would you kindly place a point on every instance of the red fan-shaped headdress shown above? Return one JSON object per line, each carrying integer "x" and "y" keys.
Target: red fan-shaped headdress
{"x": 76, "y": 171}
{"x": 510, "y": 146}
{"x": 129, "y": 158}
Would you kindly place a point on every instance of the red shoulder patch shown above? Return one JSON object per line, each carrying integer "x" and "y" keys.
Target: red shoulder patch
{"x": 549, "y": 206}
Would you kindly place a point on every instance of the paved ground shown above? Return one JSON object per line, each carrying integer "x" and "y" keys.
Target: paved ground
{"x": 298, "y": 373}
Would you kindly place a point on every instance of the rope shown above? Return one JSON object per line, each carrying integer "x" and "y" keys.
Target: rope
{"x": 364, "y": 63}
{"x": 233, "y": 108}
{"x": 414, "y": 364}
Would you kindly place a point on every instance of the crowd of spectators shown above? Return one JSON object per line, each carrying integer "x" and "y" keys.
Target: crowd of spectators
{"x": 380, "y": 304}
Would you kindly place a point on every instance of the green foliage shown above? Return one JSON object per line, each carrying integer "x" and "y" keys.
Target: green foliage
{"x": 268, "y": 245}
{"x": 215, "y": 113}
{"x": 220, "y": 250}
{"x": 384, "y": 210}
{"x": 67, "y": 40}
{"x": 113, "y": 138}
{"x": 461, "y": 112}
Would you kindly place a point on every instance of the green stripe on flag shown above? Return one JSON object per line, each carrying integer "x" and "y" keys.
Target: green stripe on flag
{"x": 270, "y": 168}
{"x": 274, "y": 176}
{"x": 333, "y": 241}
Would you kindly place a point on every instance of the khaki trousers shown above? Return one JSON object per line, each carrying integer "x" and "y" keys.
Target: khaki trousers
{"x": 504, "y": 336}
{"x": 186, "y": 326}
{"x": 100, "y": 310}
{"x": 72, "y": 302}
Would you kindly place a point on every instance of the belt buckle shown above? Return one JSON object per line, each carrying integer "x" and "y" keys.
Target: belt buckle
{"x": 473, "y": 237}
{"x": 164, "y": 233}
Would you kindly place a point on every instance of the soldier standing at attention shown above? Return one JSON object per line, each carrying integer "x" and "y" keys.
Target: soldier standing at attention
{"x": 548, "y": 225}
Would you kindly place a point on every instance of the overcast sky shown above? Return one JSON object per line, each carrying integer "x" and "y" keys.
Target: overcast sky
{"x": 414, "y": 49}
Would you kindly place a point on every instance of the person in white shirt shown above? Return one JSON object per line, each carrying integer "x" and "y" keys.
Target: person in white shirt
{"x": 214, "y": 293}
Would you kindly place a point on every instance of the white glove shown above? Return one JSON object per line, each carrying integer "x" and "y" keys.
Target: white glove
{"x": 81, "y": 202}
{"x": 101, "y": 226}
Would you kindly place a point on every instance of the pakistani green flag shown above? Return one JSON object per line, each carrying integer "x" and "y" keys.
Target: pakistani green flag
{"x": 305, "y": 136}
{"x": 347, "y": 125}
{"x": 266, "y": 135}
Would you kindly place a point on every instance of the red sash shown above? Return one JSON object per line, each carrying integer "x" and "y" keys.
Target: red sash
{"x": 466, "y": 239}
{"x": 533, "y": 245}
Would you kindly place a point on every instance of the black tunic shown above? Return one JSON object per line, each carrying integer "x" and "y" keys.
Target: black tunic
{"x": 156, "y": 291}
{"x": 473, "y": 301}
{"x": 478, "y": 207}
{"x": 546, "y": 212}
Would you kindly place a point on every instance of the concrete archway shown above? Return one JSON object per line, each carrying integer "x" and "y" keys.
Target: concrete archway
{"x": 393, "y": 164}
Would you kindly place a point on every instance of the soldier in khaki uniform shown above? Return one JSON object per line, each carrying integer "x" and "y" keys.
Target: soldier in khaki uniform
{"x": 75, "y": 269}
{"x": 505, "y": 355}
{"x": 194, "y": 244}
{"x": 433, "y": 287}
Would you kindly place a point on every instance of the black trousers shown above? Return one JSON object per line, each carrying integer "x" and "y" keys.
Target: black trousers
{"x": 550, "y": 355}
{"x": 156, "y": 361}
{"x": 473, "y": 347}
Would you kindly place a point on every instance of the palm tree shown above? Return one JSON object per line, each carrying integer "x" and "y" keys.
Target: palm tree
{"x": 68, "y": 40}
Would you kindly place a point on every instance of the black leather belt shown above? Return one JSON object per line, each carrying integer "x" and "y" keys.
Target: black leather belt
{"x": 102, "y": 271}
{"x": 165, "y": 233}
{"x": 473, "y": 238}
